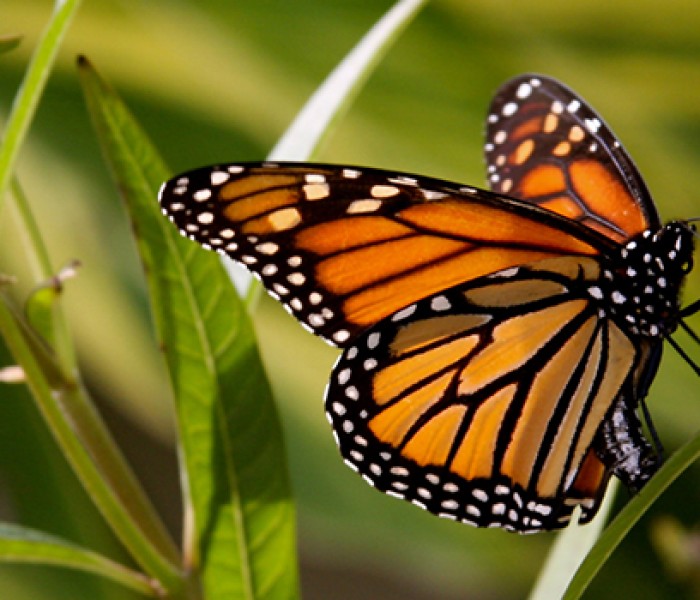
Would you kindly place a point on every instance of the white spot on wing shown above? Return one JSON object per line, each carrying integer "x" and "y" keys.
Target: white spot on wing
{"x": 432, "y": 194}
{"x": 315, "y": 178}
{"x": 404, "y": 313}
{"x": 524, "y": 90}
{"x": 268, "y": 248}
{"x": 219, "y": 177}
{"x": 440, "y": 303}
{"x": 509, "y": 109}
{"x": 202, "y": 195}
{"x": 384, "y": 191}
{"x": 341, "y": 336}
{"x": 363, "y": 206}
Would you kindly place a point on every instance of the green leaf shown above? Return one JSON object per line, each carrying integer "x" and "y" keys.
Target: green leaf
{"x": 22, "y": 545}
{"x": 569, "y": 550}
{"x": 89, "y": 449}
{"x": 240, "y": 529}
{"x": 335, "y": 95}
{"x": 630, "y": 514}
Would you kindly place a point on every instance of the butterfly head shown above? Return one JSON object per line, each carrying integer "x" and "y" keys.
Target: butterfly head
{"x": 648, "y": 278}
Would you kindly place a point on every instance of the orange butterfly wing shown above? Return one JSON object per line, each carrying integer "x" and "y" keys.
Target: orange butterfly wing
{"x": 343, "y": 248}
{"x": 547, "y": 146}
{"x": 481, "y": 403}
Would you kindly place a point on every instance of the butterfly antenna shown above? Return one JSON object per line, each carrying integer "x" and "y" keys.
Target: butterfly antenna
{"x": 691, "y": 309}
{"x": 683, "y": 353}
{"x": 685, "y": 327}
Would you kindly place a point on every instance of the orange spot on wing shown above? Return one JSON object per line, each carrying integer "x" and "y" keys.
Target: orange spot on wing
{"x": 527, "y": 129}
{"x": 347, "y": 233}
{"x": 543, "y": 180}
{"x": 515, "y": 341}
{"x": 523, "y": 151}
{"x": 513, "y": 293}
{"x": 562, "y": 149}
{"x": 393, "y": 423}
{"x": 258, "y": 204}
{"x": 605, "y": 195}
{"x": 255, "y": 184}
{"x": 591, "y": 477}
{"x": 474, "y": 458}
{"x": 432, "y": 444}
{"x": 417, "y": 334}
{"x": 564, "y": 206}
{"x": 551, "y": 122}
{"x": 396, "y": 379}
{"x": 368, "y": 306}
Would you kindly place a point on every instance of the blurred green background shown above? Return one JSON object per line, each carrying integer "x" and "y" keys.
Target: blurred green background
{"x": 215, "y": 81}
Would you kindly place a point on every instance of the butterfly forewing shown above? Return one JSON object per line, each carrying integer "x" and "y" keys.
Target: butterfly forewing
{"x": 345, "y": 247}
{"x": 546, "y": 145}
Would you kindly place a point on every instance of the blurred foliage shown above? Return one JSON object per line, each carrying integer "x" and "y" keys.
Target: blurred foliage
{"x": 215, "y": 80}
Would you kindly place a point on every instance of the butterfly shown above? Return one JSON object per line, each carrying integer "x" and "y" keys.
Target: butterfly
{"x": 496, "y": 345}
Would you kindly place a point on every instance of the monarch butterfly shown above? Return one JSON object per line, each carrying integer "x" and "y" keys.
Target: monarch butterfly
{"x": 495, "y": 344}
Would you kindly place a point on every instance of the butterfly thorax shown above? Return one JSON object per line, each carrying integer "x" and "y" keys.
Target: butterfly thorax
{"x": 640, "y": 286}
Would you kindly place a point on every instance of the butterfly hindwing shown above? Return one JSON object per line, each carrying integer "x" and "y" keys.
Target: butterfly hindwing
{"x": 343, "y": 247}
{"x": 481, "y": 403}
{"x": 547, "y": 145}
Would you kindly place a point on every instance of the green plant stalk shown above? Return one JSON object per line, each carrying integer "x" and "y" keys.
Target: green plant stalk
{"x": 76, "y": 405}
{"x": 95, "y": 459}
{"x": 676, "y": 464}
{"x": 67, "y": 408}
{"x": 25, "y": 224}
{"x": 27, "y": 98}
{"x": 23, "y": 545}
{"x": 40, "y": 264}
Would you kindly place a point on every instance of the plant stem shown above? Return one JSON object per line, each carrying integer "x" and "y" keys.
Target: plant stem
{"x": 88, "y": 447}
{"x": 29, "y": 93}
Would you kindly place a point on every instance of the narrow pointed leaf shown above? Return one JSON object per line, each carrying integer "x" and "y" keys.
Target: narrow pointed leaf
{"x": 630, "y": 514}
{"x": 237, "y": 493}
{"x": 22, "y": 545}
{"x": 81, "y": 437}
{"x": 29, "y": 93}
